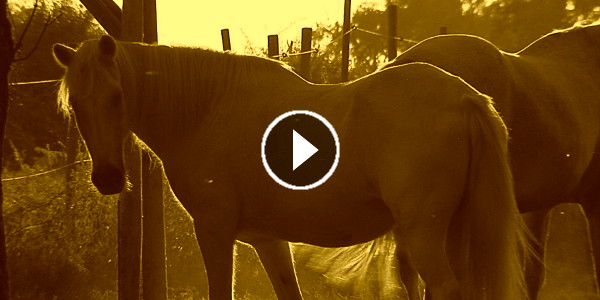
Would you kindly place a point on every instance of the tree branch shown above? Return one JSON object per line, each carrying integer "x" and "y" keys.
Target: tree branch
{"x": 49, "y": 21}
{"x": 19, "y": 43}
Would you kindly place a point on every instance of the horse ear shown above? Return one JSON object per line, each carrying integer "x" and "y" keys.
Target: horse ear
{"x": 63, "y": 54}
{"x": 108, "y": 46}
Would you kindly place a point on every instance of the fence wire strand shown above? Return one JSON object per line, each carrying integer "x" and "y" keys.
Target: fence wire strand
{"x": 47, "y": 172}
{"x": 34, "y": 82}
{"x": 388, "y": 36}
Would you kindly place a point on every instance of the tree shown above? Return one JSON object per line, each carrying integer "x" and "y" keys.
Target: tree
{"x": 33, "y": 123}
{"x": 29, "y": 142}
{"x": 513, "y": 24}
{"x": 509, "y": 24}
{"x": 6, "y": 58}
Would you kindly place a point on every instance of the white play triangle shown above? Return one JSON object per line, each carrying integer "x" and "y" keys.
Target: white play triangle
{"x": 301, "y": 150}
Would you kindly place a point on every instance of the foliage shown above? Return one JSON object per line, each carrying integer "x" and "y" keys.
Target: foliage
{"x": 510, "y": 24}
{"x": 513, "y": 24}
{"x": 60, "y": 236}
{"x": 37, "y": 102}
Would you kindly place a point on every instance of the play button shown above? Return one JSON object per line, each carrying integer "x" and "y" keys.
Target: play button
{"x": 300, "y": 150}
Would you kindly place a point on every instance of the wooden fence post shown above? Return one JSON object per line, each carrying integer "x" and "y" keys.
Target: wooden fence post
{"x": 137, "y": 23}
{"x": 154, "y": 268}
{"x": 130, "y": 202}
{"x": 392, "y": 12}
{"x": 154, "y": 274}
{"x": 105, "y": 16}
{"x": 273, "y": 46}
{"x": 150, "y": 26}
{"x": 305, "y": 58}
{"x": 132, "y": 21}
{"x": 346, "y": 41}
{"x": 225, "y": 39}
{"x": 114, "y": 9}
{"x": 130, "y": 227}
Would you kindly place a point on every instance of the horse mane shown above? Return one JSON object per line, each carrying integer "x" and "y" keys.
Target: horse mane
{"x": 181, "y": 82}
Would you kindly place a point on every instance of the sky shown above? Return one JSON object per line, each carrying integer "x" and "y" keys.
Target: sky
{"x": 199, "y": 22}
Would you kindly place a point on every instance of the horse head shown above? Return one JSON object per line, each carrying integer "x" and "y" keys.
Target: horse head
{"x": 91, "y": 89}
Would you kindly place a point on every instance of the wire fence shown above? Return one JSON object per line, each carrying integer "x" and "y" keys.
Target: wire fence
{"x": 282, "y": 55}
{"x": 352, "y": 29}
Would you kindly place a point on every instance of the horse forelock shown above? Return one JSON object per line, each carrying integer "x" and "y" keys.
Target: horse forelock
{"x": 85, "y": 72}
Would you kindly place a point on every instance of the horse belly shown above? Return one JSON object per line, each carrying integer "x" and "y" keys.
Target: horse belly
{"x": 318, "y": 219}
{"x": 554, "y": 132}
{"x": 547, "y": 175}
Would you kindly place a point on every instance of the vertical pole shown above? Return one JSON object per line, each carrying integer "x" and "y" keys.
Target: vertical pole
{"x": 443, "y": 30}
{"x": 72, "y": 148}
{"x": 130, "y": 227}
{"x": 150, "y": 24}
{"x": 225, "y": 39}
{"x": 6, "y": 60}
{"x": 132, "y": 21}
{"x": 392, "y": 12}
{"x": 154, "y": 275}
{"x": 346, "y": 41}
{"x": 154, "y": 267}
{"x": 305, "y": 58}
{"x": 273, "y": 45}
{"x": 130, "y": 202}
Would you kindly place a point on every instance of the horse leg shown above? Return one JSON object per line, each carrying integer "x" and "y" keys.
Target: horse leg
{"x": 534, "y": 268}
{"x": 427, "y": 241}
{"x": 276, "y": 258}
{"x": 408, "y": 273}
{"x": 592, "y": 211}
{"x": 589, "y": 197}
{"x": 216, "y": 238}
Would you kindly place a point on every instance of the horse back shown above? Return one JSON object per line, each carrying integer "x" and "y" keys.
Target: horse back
{"x": 549, "y": 103}
{"x": 475, "y": 60}
{"x": 415, "y": 115}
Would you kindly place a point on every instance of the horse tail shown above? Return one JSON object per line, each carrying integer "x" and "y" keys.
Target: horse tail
{"x": 368, "y": 269}
{"x": 492, "y": 234}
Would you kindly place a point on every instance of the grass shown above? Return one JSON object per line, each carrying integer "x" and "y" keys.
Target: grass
{"x": 62, "y": 242}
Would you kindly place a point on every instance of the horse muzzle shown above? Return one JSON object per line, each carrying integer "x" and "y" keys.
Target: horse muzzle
{"x": 108, "y": 180}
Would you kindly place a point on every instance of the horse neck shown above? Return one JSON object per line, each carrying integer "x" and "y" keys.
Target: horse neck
{"x": 171, "y": 93}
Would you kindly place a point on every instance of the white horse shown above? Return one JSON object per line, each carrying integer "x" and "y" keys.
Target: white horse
{"x": 549, "y": 96}
{"x": 421, "y": 151}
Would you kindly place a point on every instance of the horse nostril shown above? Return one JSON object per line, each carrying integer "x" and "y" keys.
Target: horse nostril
{"x": 108, "y": 180}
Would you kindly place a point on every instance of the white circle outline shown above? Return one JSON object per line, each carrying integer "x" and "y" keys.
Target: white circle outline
{"x": 331, "y": 169}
